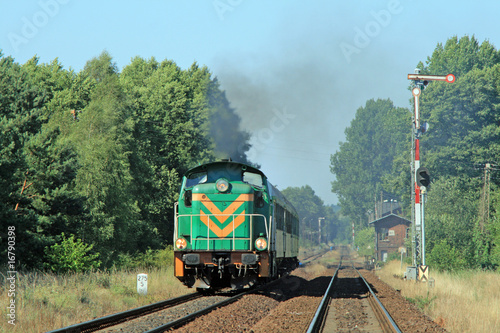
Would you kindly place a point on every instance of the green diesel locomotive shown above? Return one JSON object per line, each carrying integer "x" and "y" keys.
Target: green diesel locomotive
{"x": 232, "y": 228}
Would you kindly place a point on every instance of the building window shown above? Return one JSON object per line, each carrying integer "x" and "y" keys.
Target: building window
{"x": 383, "y": 234}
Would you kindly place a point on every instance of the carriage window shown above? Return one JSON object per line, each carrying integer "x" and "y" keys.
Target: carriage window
{"x": 196, "y": 178}
{"x": 252, "y": 178}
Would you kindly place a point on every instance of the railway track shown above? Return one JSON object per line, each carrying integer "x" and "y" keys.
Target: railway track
{"x": 118, "y": 318}
{"x": 126, "y": 319}
{"x": 313, "y": 257}
{"x": 350, "y": 303}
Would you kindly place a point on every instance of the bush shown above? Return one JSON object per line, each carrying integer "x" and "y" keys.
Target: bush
{"x": 71, "y": 256}
{"x": 445, "y": 257}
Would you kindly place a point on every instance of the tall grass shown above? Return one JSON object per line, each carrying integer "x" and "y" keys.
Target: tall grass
{"x": 467, "y": 301}
{"x": 47, "y": 301}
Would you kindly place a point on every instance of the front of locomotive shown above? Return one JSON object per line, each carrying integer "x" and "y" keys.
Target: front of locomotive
{"x": 221, "y": 226}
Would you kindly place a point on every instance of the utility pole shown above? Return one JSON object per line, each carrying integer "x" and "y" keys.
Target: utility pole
{"x": 353, "y": 235}
{"x": 420, "y": 82}
{"x": 319, "y": 225}
{"x": 485, "y": 202}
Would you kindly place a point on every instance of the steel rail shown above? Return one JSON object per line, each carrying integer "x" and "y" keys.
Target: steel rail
{"x": 388, "y": 324}
{"x": 319, "y": 316}
{"x": 117, "y": 318}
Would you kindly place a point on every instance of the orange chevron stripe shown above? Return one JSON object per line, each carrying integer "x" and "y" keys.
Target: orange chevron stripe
{"x": 222, "y": 233}
{"x": 212, "y": 208}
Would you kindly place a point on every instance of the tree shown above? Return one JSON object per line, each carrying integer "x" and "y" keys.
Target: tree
{"x": 175, "y": 113}
{"x": 376, "y": 136}
{"x": 460, "y": 56}
{"x": 451, "y": 211}
{"x": 464, "y": 118}
{"x": 35, "y": 183}
{"x": 464, "y": 136}
{"x": 99, "y": 154}
{"x": 102, "y": 139}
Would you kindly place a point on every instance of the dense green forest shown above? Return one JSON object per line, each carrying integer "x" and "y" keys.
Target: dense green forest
{"x": 91, "y": 162}
{"x": 99, "y": 154}
{"x": 461, "y": 150}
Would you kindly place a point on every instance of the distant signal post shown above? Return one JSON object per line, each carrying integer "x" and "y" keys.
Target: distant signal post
{"x": 420, "y": 82}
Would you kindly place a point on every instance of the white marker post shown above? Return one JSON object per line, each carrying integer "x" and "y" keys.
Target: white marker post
{"x": 142, "y": 284}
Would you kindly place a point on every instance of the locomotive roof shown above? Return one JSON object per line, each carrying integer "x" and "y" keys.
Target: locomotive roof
{"x": 207, "y": 166}
{"x": 273, "y": 191}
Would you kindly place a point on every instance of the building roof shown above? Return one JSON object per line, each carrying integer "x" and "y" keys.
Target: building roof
{"x": 388, "y": 207}
{"x": 387, "y": 216}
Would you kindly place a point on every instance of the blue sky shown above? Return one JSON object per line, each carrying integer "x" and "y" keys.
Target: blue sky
{"x": 295, "y": 71}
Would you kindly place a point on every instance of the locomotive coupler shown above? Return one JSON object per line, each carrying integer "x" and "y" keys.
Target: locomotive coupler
{"x": 221, "y": 266}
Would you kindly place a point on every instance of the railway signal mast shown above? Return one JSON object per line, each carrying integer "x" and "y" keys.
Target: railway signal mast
{"x": 420, "y": 175}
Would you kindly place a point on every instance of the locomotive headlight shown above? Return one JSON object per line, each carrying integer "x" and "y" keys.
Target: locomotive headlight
{"x": 261, "y": 243}
{"x": 181, "y": 243}
{"x": 222, "y": 185}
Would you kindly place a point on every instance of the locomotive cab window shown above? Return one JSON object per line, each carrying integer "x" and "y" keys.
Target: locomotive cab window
{"x": 196, "y": 178}
{"x": 253, "y": 178}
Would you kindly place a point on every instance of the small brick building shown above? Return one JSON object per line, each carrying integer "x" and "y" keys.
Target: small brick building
{"x": 391, "y": 232}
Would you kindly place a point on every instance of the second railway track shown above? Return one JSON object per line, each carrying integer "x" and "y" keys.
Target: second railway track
{"x": 350, "y": 304}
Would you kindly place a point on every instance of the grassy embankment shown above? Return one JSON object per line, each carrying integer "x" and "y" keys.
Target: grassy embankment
{"x": 48, "y": 301}
{"x": 467, "y": 301}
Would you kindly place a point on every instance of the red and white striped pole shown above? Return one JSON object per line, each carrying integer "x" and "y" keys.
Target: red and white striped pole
{"x": 418, "y": 217}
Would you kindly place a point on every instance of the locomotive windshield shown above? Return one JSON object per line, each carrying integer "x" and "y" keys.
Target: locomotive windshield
{"x": 196, "y": 178}
{"x": 210, "y": 176}
{"x": 252, "y": 178}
